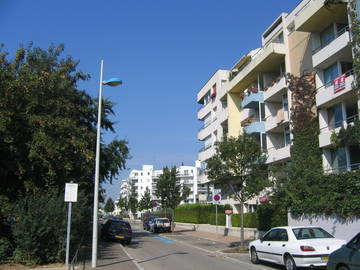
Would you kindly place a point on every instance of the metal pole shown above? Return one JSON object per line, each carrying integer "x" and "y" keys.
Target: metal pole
{"x": 68, "y": 235}
{"x": 96, "y": 183}
{"x": 216, "y": 220}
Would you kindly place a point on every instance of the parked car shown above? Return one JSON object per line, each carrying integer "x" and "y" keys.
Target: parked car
{"x": 161, "y": 225}
{"x": 116, "y": 229}
{"x": 347, "y": 257}
{"x": 295, "y": 247}
{"x": 148, "y": 221}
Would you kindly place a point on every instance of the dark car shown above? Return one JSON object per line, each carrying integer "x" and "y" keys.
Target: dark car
{"x": 347, "y": 257}
{"x": 148, "y": 221}
{"x": 161, "y": 225}
{"x": 116, "y": 229}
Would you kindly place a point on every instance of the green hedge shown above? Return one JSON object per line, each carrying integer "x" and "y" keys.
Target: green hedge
{"x": 197, "y": 213}
{"x": 250, "y": 220}
{"x": 270, "y": 215}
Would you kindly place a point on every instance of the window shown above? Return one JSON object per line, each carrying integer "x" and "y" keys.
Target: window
{"x": 311, "y": 233}
{"x": 335, "y": 116}
{"x": 276, "y": 235}
{"x": 338, "y": 160}
{"x": 262, "y": 107}
{"x": 327, "y": 35}
{"x": 285, "y": 103}
{"x": 355, "y": 243}
{"x": 330, "y": 74}
{"x": 287, "y": 138}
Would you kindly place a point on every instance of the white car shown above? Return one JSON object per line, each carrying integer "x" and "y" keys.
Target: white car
{"x": 295, "y": 247}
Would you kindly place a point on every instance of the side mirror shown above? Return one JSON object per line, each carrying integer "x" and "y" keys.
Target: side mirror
{"x": 261, "y": 239}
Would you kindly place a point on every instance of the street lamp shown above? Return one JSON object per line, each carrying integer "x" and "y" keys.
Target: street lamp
{"x": 110, "y": 82}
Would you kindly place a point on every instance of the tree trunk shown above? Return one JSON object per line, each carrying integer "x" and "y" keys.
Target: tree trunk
{"x": 242, "y": 242}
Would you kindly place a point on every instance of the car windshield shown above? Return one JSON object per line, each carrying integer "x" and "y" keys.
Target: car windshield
{"x": 162, "y": 220}
{"x": 116, "y": 225}
{"x": 311, "y": 233}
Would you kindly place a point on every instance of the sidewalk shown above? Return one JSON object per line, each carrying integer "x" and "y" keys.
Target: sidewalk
{"x": 232, "y": 241}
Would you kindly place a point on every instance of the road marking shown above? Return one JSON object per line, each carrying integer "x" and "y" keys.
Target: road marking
{"x": 165, "y": 240}
{"x": 131, "y": 258}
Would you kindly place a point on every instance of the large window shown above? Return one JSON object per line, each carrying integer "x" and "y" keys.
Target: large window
{"x": 327, "y": 35}
{"x": 330, "y": 74}
{"x": 338, "y": 160}
{"x": 287, "y": 136}
{"x": 335, "y": 116}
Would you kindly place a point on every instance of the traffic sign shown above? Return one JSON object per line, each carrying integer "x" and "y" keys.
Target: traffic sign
{"x": 217, "y": 197}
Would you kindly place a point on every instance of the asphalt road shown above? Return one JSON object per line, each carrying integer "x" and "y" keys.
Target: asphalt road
{"x": 181, "y": 252}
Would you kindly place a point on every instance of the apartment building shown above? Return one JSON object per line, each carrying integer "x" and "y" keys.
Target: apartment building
{"x": 313, "y": 37}
{"x": 147, "y": 178}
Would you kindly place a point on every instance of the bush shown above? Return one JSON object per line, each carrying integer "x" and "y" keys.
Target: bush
{"x": 197, "y": 213}
{"x": 6, "y": 249}
{"x": 270, "y": 215}
{"x": 39, "y": 229}
{"x": 250, "y": 220}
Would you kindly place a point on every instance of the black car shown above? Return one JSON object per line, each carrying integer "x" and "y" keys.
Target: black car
{"x": 148, "y": 221}
{"x": 116, "y": 229}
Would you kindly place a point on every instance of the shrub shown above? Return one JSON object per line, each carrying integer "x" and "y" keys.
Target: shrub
{"x": 197, "y": 213}
{"x": 270, "y": 215}
{"x": 6, "y": 248}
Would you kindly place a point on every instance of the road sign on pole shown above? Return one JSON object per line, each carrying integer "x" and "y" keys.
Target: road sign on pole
{"x": 70, "y": 196}
{"x": 217, "y": 198}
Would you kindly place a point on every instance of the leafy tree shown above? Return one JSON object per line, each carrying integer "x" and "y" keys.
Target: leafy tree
{"x": 109, "y": 206}
{"x": 48, "y": 125}
{"x": 123, "y": 203}
{"x": 145, "y": 201}
{"x": 133, "y": 203}
{"x": 170, "y": 191}
{"x": 238, "y": 167}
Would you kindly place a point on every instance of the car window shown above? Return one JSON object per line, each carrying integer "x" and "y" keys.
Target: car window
{"x": 119, "y": 225}
{"x": 355, "y": 243}
{"x": 271, "y": 235}
{"x": 311, "y": 233}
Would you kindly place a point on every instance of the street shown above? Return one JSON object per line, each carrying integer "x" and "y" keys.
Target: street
{"x": 177, "y": 252}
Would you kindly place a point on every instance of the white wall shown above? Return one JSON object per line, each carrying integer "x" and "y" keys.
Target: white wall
{"x": 343, "y": 229}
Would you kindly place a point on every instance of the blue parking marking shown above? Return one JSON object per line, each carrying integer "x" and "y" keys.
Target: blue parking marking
{"x": 162, "y": 239}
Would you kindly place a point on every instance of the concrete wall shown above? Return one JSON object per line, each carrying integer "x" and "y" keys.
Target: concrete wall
{"x": 343, "y": 229}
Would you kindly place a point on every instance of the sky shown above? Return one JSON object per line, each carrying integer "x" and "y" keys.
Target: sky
{"x": 163, "y": 50}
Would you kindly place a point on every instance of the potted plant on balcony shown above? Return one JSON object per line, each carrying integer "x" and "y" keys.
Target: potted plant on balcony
{"x": 242, "y": 95}
{"x": 253, "y": 90}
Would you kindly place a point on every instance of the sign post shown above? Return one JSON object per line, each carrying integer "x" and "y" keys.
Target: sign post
{"x": 70, "y": 196}
{"x": 216, "y": 199}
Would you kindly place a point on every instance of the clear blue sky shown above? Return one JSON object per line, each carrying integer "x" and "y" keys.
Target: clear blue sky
{"x": 164, "y": 50}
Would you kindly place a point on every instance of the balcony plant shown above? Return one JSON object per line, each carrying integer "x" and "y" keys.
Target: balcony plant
{"x": 242, "y": 95}
{"x": 253, "y": 90}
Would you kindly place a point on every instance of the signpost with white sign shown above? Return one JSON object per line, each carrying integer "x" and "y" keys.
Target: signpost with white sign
{"x": 70, "y": 196}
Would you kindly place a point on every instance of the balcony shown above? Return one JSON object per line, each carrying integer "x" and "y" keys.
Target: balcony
{"x": 278, "y": 122}
{"x": 276, "y": 154}
{"x": 204, "y": 110}
{"x": 206, "y": 152}
{"x": 267, "y": 59}
{"x": 223, "y": 115}
{"x": 327, "y": 131}
{"x": 206, "y": 130}
{"x": 314, "y": 16}
{"x": 255, "y": 126}
{"x": 275, "y": 91}
{"x": 336, "y": 50}
{"x": 252, "y": 101}
{"x": 331, "y": 93}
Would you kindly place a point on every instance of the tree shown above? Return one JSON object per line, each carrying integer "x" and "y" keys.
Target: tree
{"x": 238, "y": 167}
{"x": 133, "y": 203}
{"x": 48, "y": 125}
{"x": 170, "y": 191}
{"x": 123, "y": 203}
{"x": 109, "y": 206}
{"x": 145, "y": 201}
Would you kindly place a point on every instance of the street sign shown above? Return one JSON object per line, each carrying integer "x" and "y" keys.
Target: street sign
{"x": 71, "y": 192}
{"x": 228, "y": 212}
{"x": 217, "y": 198}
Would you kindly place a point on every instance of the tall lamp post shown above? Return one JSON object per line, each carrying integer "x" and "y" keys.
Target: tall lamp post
{"x": 110, "y": 82}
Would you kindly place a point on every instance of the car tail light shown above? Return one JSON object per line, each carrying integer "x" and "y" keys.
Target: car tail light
{"x": 307, "y": 248}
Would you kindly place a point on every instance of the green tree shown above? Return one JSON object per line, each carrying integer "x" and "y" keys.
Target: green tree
{"x": 109, "y": 206}
{"x": 145, "y": 201}
{"x": 170, "y": 191}
{"x": 238, "y": 167}
{"x": 133, "y": 203}
{"x": 48, "y": 125}
{"x": 123, "y": 203}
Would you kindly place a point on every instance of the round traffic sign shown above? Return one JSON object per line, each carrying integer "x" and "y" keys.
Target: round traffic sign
{"x": 217, "y": 197}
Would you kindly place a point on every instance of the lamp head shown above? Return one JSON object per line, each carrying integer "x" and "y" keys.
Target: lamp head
{"x": 112, "y": 82}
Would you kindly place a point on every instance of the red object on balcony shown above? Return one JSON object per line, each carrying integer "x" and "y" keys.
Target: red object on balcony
{"x": 339, "y": 83}
{"x": 264, "y": 199}
{"x": 253, "y": 90}
{"x": 242, "y": 95}
{"x": 213, "y": 95}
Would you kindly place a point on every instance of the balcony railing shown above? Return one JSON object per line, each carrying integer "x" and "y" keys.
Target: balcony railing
{"x": 328, "y": 84}
{"x": 205, "y": 148}
{"x": 341, "y": 169}
{"x": 337, "y": 34}
{"x": 341, "y": 123}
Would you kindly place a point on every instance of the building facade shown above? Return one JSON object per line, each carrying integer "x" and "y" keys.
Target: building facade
{"x": 253, "y": 95}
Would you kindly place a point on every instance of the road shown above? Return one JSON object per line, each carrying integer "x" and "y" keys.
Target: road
{"x": 180, "y": 252}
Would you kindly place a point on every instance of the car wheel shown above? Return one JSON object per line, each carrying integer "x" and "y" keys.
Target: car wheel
{"x": 289, "y": 263}
{"x": 342, "y": 267}
{"x": 253, "y": 256}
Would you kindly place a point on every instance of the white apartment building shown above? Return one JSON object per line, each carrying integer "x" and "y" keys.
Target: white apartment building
{"x": 253, "y": 95}
{"x": 147, "y": 178}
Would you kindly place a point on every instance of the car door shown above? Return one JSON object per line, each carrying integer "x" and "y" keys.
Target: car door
{"x": 353, "y": 253}
{"x": 265, "y": 247}
{"x": 279, "y": 245}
